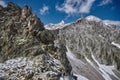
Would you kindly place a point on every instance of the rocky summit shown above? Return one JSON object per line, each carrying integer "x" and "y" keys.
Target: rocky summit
{"x": 88, "y": 49}
{"x": 27, "y": 49}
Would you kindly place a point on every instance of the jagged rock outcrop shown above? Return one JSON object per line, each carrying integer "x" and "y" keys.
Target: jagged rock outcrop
{"x": 27, "y": 50}
{"x": 26, "y": 11}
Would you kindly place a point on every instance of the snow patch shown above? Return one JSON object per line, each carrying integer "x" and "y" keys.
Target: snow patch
{"x": 80, "y": 77}
{"x": 93, "y": 18}
{"x": 116, "y": 44}
{"x": 106, "y": 22}
{"x": 17, "y": 66}
{"x": 110, "y": 22}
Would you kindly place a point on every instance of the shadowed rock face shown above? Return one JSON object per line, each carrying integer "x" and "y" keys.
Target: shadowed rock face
{"x": 27, "y": 50}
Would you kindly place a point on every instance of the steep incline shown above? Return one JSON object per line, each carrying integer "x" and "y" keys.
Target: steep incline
{"x": 27, "y": 50}
{"x": 96, "y": 45}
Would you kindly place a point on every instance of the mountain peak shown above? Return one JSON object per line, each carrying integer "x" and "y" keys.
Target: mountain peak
{"x": 93, "y": 18}
{"x": 61, "y": 23}
{"x": 55, "y": 26}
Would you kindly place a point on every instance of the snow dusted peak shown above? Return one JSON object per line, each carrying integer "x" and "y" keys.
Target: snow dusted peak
{"x": 93, "y": 18}
{"x": 105, "y": 22}
{"x": 55, "y": 26}
{"x": 110, "y": 22}
{"x": 62, "y": 22}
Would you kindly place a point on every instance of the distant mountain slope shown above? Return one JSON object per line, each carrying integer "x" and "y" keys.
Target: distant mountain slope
{"x": 56, "y": 26}
{"x": 95, "y": 46}
{"x": 88, "y": 18}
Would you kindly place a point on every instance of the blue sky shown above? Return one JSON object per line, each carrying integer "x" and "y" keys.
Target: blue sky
{"x": 53, "y": 11}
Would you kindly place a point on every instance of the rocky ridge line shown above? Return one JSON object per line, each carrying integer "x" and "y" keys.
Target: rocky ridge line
{"x": 27, "y": 49}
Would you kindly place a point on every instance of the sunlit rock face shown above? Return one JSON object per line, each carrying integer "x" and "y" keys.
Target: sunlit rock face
{"x": 85, "y": 37}
{"x": 26, "y": 11}
{"x": 90, "y": 41}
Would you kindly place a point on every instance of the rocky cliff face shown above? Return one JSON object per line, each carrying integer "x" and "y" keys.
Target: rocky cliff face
{"x": 27, "y": 49}
{"x": 96, "y": 46}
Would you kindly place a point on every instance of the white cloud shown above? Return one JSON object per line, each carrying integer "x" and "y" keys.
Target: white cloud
{"x": 44, "y": 10}
{"x": 86, "y": 6}
{"x": 105, "y": 2}
{"x": 117, "y": 23}
{"x": 3, "y": 3}
{"x": 72, "y": 7}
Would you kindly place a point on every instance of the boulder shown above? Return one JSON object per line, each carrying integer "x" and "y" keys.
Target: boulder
{"x": 34, "y": 23}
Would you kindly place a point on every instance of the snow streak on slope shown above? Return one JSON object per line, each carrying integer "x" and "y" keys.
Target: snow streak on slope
{"x": 115, "y": 44}
{"x": 77, "y": 61}
{"x": 90, "y": 62}
{"x": 106, "y": 70}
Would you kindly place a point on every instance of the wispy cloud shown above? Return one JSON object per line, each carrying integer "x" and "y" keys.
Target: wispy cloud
{"x": 3, "y": 3}
{"x": 72, "y": 7}
{"x": 44, "y": 10}
{"x": 105, "y": 2}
